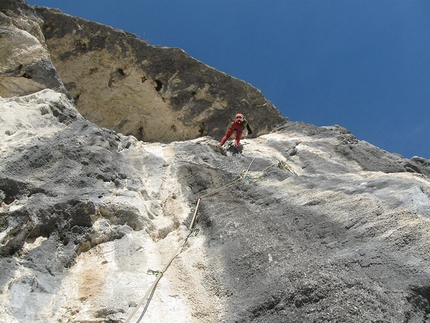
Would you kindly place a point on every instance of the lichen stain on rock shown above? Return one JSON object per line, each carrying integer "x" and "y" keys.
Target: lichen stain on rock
{"x": 90, "y": 284}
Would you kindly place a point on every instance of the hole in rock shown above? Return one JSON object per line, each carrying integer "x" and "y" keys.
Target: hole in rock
{"x": 420, "y": 298}
{"x": 159, "y": 85}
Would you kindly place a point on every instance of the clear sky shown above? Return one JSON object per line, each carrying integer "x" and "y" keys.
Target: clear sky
{"x": 361, "y": 64}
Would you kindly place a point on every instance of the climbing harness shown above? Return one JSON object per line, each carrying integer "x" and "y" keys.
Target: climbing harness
{"x": 191, "y": 231}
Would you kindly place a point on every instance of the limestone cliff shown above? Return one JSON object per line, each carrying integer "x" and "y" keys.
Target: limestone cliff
{"x": 26, "y": 65}
{"x": 302, "y": 224}
{"x": 154, "y": 93}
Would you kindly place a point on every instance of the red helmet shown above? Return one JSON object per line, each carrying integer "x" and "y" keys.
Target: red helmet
{"x": 240, "y": 117}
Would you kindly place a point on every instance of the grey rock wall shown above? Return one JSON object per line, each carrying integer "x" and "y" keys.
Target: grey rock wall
{"x": 321, "y": 227}
{"x": 310, "y": 234}
{"x": 26, "y": 64}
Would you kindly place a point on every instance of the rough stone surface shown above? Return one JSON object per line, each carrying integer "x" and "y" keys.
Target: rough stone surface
{"x": 321, "y": 227}
{"x": 26, "y": 64}
{"x": 312, "y": 236}
{"x": 153, "y": 93}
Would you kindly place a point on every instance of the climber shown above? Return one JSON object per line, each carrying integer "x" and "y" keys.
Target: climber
{"x": 238, "y": 125}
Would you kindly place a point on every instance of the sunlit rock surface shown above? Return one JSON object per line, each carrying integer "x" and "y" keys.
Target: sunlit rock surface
{"x": 318, "y": 227}
{"x": 153, "y": 93}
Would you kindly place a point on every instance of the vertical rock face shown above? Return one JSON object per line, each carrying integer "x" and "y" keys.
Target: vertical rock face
{"x": 26, "y": 64}
{"x": 311, "y": 233}
{"x": 303, "y": 224}
{"x": 156, "y": 94}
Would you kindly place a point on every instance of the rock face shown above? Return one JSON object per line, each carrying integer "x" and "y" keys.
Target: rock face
{"x": 155, "y": 94}
{"x": 318, "y": 227}
{"x": 26, "y": 64}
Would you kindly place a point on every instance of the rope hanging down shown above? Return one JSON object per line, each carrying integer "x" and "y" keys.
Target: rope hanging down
{"x": 179, "y": 250}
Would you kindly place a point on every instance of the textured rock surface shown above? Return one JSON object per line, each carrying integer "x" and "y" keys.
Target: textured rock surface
{"x": 313, "y": 234}
{"x": 323, "y": 227}
{"x": 156, "y": 94}
{"x": 26, "y": 65}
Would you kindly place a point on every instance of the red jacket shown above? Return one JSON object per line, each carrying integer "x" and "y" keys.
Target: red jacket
{"x": 238, "y": 126}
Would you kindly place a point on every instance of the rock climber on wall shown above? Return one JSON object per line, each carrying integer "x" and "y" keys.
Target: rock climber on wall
{"x": 238, "y": 125}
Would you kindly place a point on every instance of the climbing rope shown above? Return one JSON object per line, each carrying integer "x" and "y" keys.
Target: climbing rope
{"x": 231, "y": 184}
{"x": 159, "y": 274}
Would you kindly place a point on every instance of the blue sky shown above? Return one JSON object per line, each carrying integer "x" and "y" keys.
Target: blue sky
{"x": 361, "y": 64}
